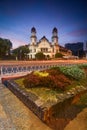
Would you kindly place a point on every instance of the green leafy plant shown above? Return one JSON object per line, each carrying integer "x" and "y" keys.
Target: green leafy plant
{"x": 73, "y": 71}
{"x": 58, "y": 55}
{"x": 82, "y": 66}
{"x": 40, "y": 56}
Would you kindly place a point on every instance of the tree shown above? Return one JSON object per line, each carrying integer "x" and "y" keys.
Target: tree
{"x": 5, "y": 47}
{"x": 8, "y": 46}
{"x": 21, "y": 52}
{"x": 58, "y": 55}
{"x": 40, "y": 56}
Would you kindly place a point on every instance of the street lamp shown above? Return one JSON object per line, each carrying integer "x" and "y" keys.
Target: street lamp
{"x": 85, "y": 48}
{"x": 20, "y": 54}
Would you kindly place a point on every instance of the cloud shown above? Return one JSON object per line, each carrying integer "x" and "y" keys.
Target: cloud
{"x": 17, "y": 42}
{"x": 77, "y": 33}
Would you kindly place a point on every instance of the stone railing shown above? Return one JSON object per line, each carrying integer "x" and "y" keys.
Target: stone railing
{"x": 9, "y": 70}
{"x": 14, "y": 69}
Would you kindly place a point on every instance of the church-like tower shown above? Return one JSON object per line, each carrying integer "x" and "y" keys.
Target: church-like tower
{"x": 33, "y": 36}
{"x": 55, "y": 36}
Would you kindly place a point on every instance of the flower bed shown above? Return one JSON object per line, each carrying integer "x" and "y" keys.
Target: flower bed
{"x": 50, "y": 79}
{"x": 49, "y": 83}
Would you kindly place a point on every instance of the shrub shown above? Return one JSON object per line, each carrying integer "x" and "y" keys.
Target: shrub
{"x": 40, "y": 56}
{"x": 73, "y": 71}
{"x": 58, "y": 55}
{"x": 54, "y": 79}
{"x": 59, "y": 82}
{"x": 82, "y": 66}
{"x": 31, "y": 81}
{"x": 54, "y": 71}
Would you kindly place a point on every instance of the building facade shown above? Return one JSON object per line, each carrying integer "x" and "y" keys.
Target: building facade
{"x": 76, "y": 48}
{"x": 49, "y": 49}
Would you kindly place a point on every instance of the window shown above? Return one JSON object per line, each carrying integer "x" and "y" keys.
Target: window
{"x": 30, "y": 50}
{"x": 31, "y": 56}
{"x": 44, "y": 49}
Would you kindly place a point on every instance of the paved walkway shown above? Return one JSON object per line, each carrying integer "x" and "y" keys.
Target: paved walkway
{"x": 14, "y": 115}
{"x": 78, "y": 123}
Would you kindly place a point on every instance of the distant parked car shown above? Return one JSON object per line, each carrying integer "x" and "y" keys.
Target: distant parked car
{"x": 70, "y": 57}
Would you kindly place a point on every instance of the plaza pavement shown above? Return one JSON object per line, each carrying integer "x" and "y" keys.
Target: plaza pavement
{"x": 14, "y": 115}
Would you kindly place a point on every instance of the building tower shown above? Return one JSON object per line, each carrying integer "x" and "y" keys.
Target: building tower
{"x": 55, "y": 36}
{"x": 33, "y": 36}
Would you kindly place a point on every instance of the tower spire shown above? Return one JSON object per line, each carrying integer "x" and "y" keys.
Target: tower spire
{"x": 55, "y": 36}
{"x": 33, "y": 36}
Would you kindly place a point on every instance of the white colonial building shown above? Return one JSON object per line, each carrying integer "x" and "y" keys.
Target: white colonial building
{"x": 49, "y": 49}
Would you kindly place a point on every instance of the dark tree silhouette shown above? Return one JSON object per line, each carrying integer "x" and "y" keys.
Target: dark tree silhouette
{"x": 5, "y": 47}
{"x": 21, "y": 52}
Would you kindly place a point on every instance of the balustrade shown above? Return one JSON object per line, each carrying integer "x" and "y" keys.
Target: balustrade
{"x": 16, "y": 69}
{"x": 12, "y": 69}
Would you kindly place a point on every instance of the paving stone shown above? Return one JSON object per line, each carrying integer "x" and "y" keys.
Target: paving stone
{"x": 14, "y": 115}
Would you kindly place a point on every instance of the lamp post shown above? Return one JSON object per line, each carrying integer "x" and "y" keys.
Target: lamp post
{"x": 79, "y": 52}
{"x": 86, "y": 54}
{"x": 85, "y": 48}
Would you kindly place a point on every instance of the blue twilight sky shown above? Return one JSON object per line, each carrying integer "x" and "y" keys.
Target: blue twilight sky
{"x": 17, "y": 17}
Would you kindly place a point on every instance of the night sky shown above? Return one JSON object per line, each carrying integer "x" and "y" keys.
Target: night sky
{"x": 17, "y": 17}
